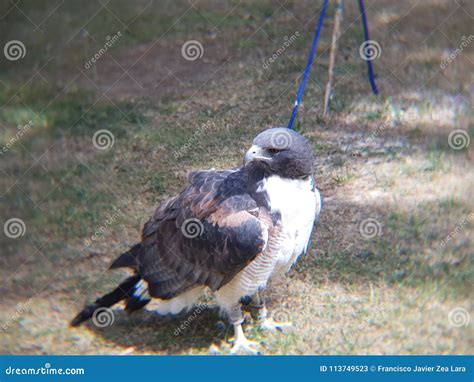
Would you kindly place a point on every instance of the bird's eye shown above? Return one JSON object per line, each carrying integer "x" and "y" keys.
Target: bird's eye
{"x": 273, "y": 151}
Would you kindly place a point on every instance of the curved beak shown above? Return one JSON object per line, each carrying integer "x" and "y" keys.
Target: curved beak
{"x": 255, "y": 153}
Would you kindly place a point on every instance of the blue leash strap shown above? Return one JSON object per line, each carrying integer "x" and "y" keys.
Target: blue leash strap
{"x": 309, "y": 64}
{"x": 370, "y": 68}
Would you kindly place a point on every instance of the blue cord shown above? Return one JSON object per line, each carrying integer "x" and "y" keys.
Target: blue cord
{"x": 370, "y": 69}
{"x": 308, "y": 65}
{"x": 314, "y": 45}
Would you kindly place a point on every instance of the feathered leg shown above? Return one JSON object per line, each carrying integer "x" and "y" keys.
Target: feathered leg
{"x": 240, "y": 342}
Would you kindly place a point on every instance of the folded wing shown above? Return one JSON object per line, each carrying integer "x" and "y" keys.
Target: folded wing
{"x": 204, "y": 236}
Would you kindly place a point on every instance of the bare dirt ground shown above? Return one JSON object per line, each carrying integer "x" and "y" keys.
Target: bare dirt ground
{"x": 390, "y": 267}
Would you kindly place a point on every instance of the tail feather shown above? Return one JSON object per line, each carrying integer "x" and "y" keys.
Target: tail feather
{"x": 136, "y": 303}
{"x": 140, "y": 297}
{"x": 128, "y": 259}
{"x": 124, "y": 291}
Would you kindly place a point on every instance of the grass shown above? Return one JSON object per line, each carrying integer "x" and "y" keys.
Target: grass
{"x": 387, "y": 294}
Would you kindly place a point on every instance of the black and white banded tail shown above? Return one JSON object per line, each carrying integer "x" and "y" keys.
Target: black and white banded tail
{"x": 133, "y": 291}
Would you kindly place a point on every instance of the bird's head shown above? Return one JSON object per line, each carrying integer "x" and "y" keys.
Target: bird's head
{"x": 282, "y": 152}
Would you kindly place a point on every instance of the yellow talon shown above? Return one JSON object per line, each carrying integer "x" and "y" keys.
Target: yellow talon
{"x": 240, "y": 342}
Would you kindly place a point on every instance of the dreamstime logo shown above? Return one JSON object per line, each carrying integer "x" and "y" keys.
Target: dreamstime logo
{"x": 14, "y": 228}
{"x": 459, "y": 317}
{"x": 103, "y": 317}
{"x": 370, "y": 50}
{"x": 287, "y": 41}
{"x": 459, "y": 227}
{"x": 465, "y": 42}
{"x": 369, "y": 228}
{"x": 103, "y": 228}
{"x": 191, "y": 141}
{"x": 281, "y": 315}
{"x": 45, "y": 370}
{"x": 192, "y": 228}
{"x": 103, "y": 139}
{"x": 21, "y": 130}
{"x": 192, "y": 50}
{"x": 459, "y": 139}
{"x": 281, "y": 139}
{"x": 20, "y": 309}
{"x": 14, "y": 50}
{"x": 186, "y": 323}
{"x": 109, "y": 43}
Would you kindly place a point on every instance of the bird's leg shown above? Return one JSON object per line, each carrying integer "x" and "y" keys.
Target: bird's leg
{"x": 265, "y": 322}
{"x": 240, "y": 342}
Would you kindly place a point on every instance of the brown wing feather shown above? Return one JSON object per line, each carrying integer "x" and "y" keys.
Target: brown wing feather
{"x": 232, "y": 231}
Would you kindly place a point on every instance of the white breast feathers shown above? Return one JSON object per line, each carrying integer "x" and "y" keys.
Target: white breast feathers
{"x": 298, "y": 203}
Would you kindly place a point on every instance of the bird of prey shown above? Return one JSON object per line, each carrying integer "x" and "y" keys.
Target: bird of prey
{"x": 228, "y": 232}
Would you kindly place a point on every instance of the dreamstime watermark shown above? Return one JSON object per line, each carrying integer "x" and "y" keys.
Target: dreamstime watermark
{"x": 459, "y": 227}
{"x": 459, "y": 139}
{"x": 14, "y": 228}
{"x": 369, "y": 228}
{"x": 103, "y": 139}
{"x": 191, "y": 141}
{"x": 192, "y": 228}
{"x": 281, "y": 315}
{"x": 109, "y": 43}
{"x": 44, "y": 370}
{"x": 103, "y": 228}
{"x": 287, "y": 42}
{"x": 370, "y": 50}
{"x": 372, "y": 136}
{"x": 186, "y": 323}
{"x": 14, "y": 50}
{"x": 458, "y": 317}
{"x": 192, "y": 50}
{"x": 103, "y": 317}
{"x": 465, "y": 42}
{"x": 21, "y": 130}
{"x": 281, "y": 139}
{"x": 20, "y": 309}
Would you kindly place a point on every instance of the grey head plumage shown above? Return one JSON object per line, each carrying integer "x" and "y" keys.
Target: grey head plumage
{"x": 281, "y": 151}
